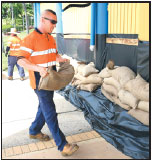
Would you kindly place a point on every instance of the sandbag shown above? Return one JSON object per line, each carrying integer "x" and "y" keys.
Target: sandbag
{"x": 118, "y": 102}
{"x": 122, "y": 74}
{"x": 79, "y": 76}
{"x": 104, "y": 73}
{"x": 92, "y": 79}
{"x": 88, "y": 87}
{"x": 110, "y": 89}
{"x": 114, "y": 99}
{"x": 143, "y": 105}
{"x": 86, "y": 70}
{"x": 56, "y": 80}
{"x": 112, "y": 81}
{"x": 140, "y": 115}
{"x": 106, "y": 94}
{"x": 127, "y": 98}
{"x": 75, "y": 82}
{"x": 138, "y": 87}
{"x": 80, "y": 68}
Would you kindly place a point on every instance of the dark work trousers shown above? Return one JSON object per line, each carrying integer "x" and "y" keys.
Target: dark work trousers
{"x": 47, "y": 113}
{"x": 12, "y": 61}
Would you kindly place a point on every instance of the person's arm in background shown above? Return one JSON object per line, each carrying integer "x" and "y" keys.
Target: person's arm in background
{"x": 25, "y": 63}
{"x": 7, "y": 50}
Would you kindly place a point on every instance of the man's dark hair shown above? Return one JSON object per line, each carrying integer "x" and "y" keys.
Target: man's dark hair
{"x": 49, "y": 10}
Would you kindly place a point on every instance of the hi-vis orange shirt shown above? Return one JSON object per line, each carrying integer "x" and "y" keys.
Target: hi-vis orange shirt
{"x": 14, "y": 44}
{"x": 39, "y": 49}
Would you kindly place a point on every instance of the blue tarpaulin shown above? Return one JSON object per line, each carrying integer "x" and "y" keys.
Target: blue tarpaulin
{"x": 111, "y": 121}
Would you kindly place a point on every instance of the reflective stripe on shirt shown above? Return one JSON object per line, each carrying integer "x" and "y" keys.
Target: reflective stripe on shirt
{"x": 36, "y": 53}
{"x": 47, "y": 64}
{"x": 14, "y": 49}
{"x": 26, "y": 49}
{"x": 15, "y": 44}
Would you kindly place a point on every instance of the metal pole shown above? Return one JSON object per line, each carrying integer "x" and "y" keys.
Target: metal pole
{"x": 59, "y": 26}
{"x": 93, "y": 25}
{"x": 59, "y": 30}
{"x": 36, "y": 14}
{"x": 101, "y": 31}
{"x": 102, "y": 18}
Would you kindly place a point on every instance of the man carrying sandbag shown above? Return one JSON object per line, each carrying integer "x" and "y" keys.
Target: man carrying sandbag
{"x": 37, "y": 53}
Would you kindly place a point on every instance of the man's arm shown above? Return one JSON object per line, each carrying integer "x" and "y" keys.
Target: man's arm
{"x": 23, "y": 62}
{"x": 7, "y": 50}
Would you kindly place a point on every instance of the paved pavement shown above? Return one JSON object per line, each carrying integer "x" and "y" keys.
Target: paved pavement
{"x": 95, "y": 148}
{"x": 19, "y": 106}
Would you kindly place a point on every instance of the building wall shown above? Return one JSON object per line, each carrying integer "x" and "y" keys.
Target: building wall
{"x": 129, "y": 18}
{"x": 77, "y": 20}
{"x": 123, "y": 18}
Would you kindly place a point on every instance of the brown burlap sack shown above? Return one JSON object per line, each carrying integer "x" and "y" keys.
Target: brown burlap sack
{"x": 112, "y": 81}
{"x": 88, "y": 87}
{"x": 143, "y": 105}
{"x": 79, "y": 76}
{"x": 80, "y": 68}
{"x": 86, "y": 70}
{"x": 92, "y": 79}
{"x": 122, "y": 74}
{"x": 57, "y": 79}
{"x": 110, "y": 89}
{"x": 140, "y": 115}
{"x": 75, "y": 82}
{"x": 127, "y": 98}
{"x": 139, "y": 88}
{"x": 104, "y": 73}
{"x": 106, "y": 94}
{"x": 114, "y": 99}
{"x": 118, "y": 102}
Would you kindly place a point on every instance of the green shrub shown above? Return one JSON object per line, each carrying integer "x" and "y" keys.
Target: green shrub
{"x": 19, "y": 27}
{"x": 19, "y": 21}
{"x": 6, "y": 28}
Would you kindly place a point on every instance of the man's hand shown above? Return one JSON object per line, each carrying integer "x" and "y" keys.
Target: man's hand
{"x": 25, "y": 63}
{"x": 60, "y": 59}
{"x": 43, "y": 71}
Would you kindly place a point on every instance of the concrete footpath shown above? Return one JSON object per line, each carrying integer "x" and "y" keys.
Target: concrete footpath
{"x": 91, "y": 146}
{"x": 19, "y": 106}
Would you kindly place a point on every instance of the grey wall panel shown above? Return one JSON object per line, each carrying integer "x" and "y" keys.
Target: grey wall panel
{"x": 79, "y": 49}
{"x": 143, "y": 60}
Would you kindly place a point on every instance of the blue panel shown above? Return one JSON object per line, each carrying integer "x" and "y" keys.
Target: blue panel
{"x": 59, "y": 26}
{"x": 93, "y": 23}
{"x": 102, "y": 18}
{"x": 36, "y": 14}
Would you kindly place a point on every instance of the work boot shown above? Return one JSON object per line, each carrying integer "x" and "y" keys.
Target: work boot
{"x": 40, "y": 136}
{"x": 10, "y": 78}
{"x": 69, "y": 149}
{"x": 21, "y": 78}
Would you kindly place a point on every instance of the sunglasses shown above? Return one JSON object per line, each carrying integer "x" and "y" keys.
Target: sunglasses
{"x": 52, "y": 21}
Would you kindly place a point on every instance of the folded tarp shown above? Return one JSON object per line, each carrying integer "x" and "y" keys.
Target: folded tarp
{"x": 111, "y": 121}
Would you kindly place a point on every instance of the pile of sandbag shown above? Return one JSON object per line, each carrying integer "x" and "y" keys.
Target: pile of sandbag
{"x": 131, "y": 92}
{"x": 140, "y": 89}
{"x": 86, "y": 77}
